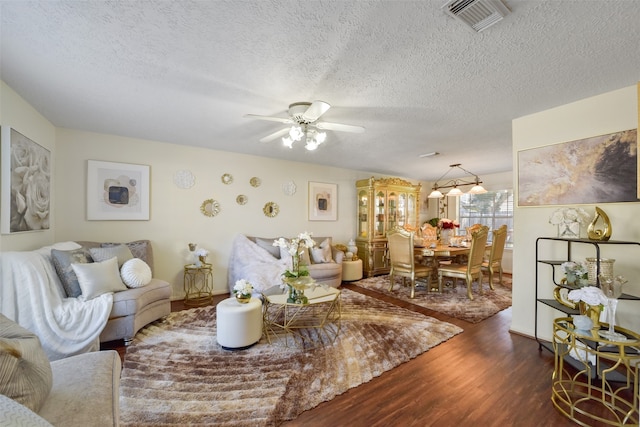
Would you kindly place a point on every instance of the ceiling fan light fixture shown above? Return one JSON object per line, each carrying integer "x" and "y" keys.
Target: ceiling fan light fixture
{"x": 296, "y": 133}
{"x": 288, "y": 142}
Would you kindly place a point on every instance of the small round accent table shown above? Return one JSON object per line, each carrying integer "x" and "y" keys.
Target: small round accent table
{"x": 239, "y": 326}
{"x": 351, "y": 270}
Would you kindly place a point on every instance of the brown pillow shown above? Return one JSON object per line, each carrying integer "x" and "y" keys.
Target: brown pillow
{"x": 25, "y": 371}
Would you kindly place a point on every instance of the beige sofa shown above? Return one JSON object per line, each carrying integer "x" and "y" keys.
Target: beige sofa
{"x": 77, "y": 391}
{"x": 135, "y": 308}
{"x": 257, "y": 260}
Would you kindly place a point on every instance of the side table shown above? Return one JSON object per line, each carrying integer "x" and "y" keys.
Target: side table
{"x": 351, "y": 270}
{"x": 595, "y": 380}
{"x": 198, "y": 285}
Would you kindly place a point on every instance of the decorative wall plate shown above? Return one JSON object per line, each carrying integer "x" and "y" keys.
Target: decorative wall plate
{"x": 227, "y": 178}
{"x": 271, "y": 209}
{"x": 289, "y": 188}
{"x": 255, "y": 181}
{"x": 184, "y": 179}
{"x": 241, "y": 199}
{"x": 210, "y": 207}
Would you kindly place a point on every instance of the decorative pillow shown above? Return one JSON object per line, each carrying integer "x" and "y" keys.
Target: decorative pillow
{"x": 25, "y": 371}
{"x": 99, "y": 278}
{"x": 15, "y": 415}
{"x": 121, "y": 252}
{"x": 135, "y": 273}
{"x": 62, "y": 261}
{"x": 322, "y": 253}
{"x": 267, "y": 245}
{"x": 139, "y": 248}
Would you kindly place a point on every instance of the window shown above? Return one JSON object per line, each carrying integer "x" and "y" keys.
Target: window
{"x": 492, "y": 209}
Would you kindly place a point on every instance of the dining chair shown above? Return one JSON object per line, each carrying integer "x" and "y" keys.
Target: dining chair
{"x": 473, "y": 268}
{"x": 402, "y": 260}
{"x": 493, "y": 263}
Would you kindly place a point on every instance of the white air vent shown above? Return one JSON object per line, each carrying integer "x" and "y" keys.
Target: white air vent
{"x": 478, "y": 14}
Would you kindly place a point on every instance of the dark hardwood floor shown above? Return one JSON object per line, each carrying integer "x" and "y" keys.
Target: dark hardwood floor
{"x": 485, "y": 376}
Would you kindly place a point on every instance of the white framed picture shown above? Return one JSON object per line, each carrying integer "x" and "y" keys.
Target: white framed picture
{"x": 26, "y": 184}
{"x": 117, "y": 191}
{"x": 323, "y": 201}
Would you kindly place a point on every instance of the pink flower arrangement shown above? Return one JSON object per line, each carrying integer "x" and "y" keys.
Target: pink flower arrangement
{"x": 447, "y": 224}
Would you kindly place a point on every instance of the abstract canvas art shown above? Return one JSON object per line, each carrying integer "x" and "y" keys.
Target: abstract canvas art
{"x": 600, "y": 169}
{"x": 26, "y": 184}
{"x": 323, "y": 202}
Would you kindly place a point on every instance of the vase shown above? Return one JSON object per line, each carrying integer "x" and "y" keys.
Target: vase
{"x": 296, "y": 287}
{"x": 202, "y": 259}
{"x": 351, "y": 247}
{"x": 606, "y": 269}
{"x": 593, "y": 311}
{"x": 445, "y": 236}
{"x": 242, "y": 298}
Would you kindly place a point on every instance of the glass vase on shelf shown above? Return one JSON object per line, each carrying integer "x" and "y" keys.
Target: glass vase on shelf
{"x": 612, "y": 288}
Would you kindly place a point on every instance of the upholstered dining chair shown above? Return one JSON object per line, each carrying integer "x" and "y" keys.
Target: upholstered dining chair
{"x": 402, "y": 260}
{"x": 493, "y": 263}
{"x": 473, "y": 268}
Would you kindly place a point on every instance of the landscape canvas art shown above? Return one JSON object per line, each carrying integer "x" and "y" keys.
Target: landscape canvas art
{"x": 26, "y": 183}
{"x": 599, "y": 169}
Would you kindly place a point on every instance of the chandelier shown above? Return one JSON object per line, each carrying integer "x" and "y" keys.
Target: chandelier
{"x": 454, "y": 183}
{"x": 311, "y": 136}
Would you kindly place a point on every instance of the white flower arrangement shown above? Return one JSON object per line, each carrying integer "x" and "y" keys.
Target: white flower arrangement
{"x": 591, "y": 295}
{"x": 569, "y": 215}
{"x": 243, "y": 287}
{"x": 295, "y": 248}
{"x": 578, "y": 270}
{"x": 202, "y": 252}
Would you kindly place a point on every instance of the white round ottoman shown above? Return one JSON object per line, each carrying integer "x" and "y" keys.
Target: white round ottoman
{"x": 351, "y": 270}
{"x": 239, "y": 326}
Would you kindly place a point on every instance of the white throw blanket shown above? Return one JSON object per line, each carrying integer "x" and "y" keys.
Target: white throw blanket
{"x": 31, "y": 294}
{"x": 251, "y": 262}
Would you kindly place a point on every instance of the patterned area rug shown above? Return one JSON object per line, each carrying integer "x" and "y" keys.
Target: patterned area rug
{"x": 175, "y": 373}
{"x": 452, "y": 302}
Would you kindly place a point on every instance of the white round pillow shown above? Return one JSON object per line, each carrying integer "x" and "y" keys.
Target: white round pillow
{"x": 135, "y": 273}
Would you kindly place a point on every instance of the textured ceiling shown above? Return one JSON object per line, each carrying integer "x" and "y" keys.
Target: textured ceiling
{"x": 186, "y": 72}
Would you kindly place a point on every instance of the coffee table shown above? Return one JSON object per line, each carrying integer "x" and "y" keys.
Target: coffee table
{"x": 304, "y": 326}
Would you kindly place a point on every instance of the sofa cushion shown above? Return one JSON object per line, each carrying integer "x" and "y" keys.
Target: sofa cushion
{"x": 98, "y": 278}
{"x": 267, "y": 245}
{"x": 322, "y": 253}
{"x": 135, "y": 273}
{"x": 121, "y": 252}
{"x": 25, "y": 371}
{"x": 131, "y": 301}
{"x": 14, "y": 414}
{"x": 62, "y": 261}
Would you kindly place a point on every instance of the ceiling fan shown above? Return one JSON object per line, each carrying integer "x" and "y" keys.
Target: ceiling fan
{"x": 303, "y": 121}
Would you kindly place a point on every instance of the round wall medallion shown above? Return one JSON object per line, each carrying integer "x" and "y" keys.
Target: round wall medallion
{"x": 271, "y": 209}
{"x": 289, "y": 188}
{"x": 210, "y": 207}
{"x": 255, "y": 181}
{"x": 241, "y": 199}
{"x": 227, "y": 178}
{"x": 184, "y": 179}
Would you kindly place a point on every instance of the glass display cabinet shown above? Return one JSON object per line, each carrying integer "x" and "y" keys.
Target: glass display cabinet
{"x": 383, "y": 204}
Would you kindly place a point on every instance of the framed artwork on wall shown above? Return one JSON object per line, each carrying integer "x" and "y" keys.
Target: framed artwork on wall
{"x": 26, "y": 183}
{"x": 323, "y": 201}
{"x": 599, "y": 169}
{"x": 117, "y": 191}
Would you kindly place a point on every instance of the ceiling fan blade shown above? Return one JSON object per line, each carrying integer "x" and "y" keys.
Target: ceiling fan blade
{"x": 270, "y": 118}
{"x": 315, "y": 110}
{"x": 275, "y": 135}
{"x": 339, "y": 127}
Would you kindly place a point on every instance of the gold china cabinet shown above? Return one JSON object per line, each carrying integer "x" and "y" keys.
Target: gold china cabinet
{"x": 383, "y": 204}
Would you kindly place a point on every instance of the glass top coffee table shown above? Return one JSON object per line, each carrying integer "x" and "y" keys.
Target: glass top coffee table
{"x": 303, "y": 326}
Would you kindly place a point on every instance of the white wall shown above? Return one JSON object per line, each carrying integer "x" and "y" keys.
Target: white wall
{"x": 175, "y": 213}
{"x": 599, "y": 115}
{"x": 19, "y": 115}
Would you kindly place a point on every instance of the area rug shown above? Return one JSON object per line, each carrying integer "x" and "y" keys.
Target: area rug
{"x": 452, "y": 302}
{"x": 175, "y": 373}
